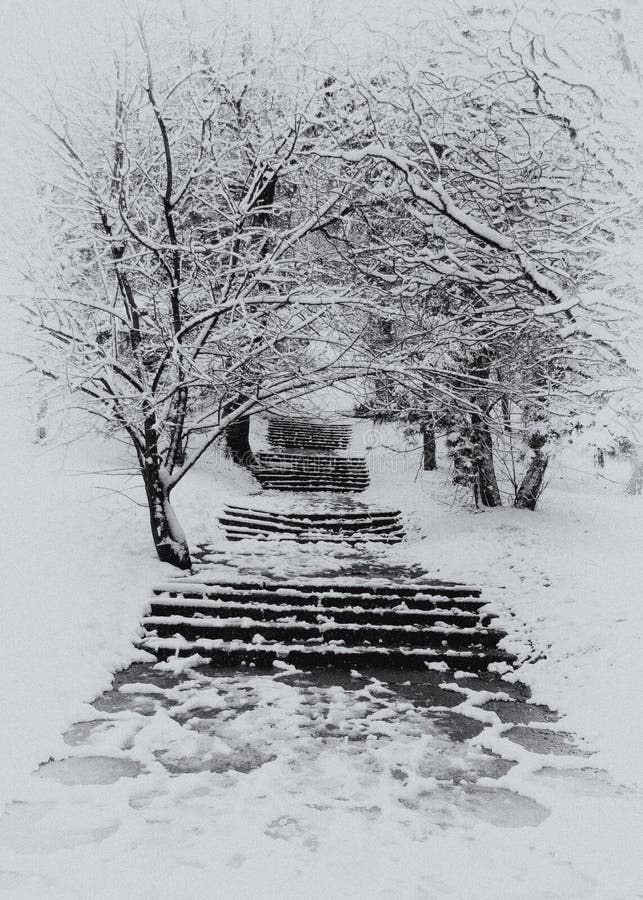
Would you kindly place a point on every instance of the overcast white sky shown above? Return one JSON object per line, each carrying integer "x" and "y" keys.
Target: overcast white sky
{"x": 47, "y": 41}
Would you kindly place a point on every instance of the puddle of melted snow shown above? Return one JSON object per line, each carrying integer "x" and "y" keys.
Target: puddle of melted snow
{"x": 90, "y": 769}
{"x": 541, "y": 740}
{"x": 500, "y": 807}
{"x": 521, "y": 713}
{"x": 495, "y": 805}
{"x": 586, "y": 782}
{"x": 82, "y": 732}
{"x": 242, "y": 759}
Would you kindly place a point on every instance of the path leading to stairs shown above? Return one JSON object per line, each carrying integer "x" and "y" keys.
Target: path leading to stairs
{"x": 283, "y": 783}
{"x": 281, "y": 777}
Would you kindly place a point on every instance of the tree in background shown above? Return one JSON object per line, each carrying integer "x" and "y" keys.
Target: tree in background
{"x": 485, "y": 212}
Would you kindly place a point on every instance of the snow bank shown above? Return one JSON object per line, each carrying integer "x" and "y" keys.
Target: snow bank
{"x": 77, "y": 563}
{"x": 567, "y": 578}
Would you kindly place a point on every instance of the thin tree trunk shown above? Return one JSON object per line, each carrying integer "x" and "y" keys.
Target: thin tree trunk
{"x": 485, "y": 468}
{"x": 531, "y": 485}
{"x": 635, "y": 482}
{"x": 169, "y": 538}
{"x": 428, "y": 448}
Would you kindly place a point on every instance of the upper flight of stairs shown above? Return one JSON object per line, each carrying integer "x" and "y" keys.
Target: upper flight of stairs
{"x": 347, "y": 621}
{"x": 303, "y": 434}
{"x": 309, "y": 456}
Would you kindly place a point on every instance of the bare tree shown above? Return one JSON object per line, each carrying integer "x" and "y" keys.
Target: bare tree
{"x": 172, "y": 299}
{"x": 484, "y": 213}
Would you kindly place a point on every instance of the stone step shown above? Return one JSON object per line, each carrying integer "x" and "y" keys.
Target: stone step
{"x": 308, "y": 435}
{"x": 328, "y": 593}
{"x": 310, "y": 427}
{"x": 350, "y": 634}
{"x": 270, "y": 612}
{"x": 291, "y": 441}
{"x": 276, "y": 527}
{"x": 239, "y": 534}
{"x": 311, "y": 460}
{"x": 339, "y": 528}
{"x": 311, "y": 468}
{"x": 311, "y": 487}
{"x": 309, "y": 473}
{"x": 236, "y": 653}
{"x": 325, "y": 518}
{"x": 287, "y": 477}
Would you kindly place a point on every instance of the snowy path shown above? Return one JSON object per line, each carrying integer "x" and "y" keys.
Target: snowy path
{"x": 294, "y": 785}
{"x": 288, "y": 805}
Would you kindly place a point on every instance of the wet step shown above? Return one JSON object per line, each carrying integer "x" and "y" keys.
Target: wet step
{"x": 308, "y": 434}
{"x": 271, "y": 612}
{"x": 327, "y": 516}
{"x": 327, "y": 621}
{"x": 210, "y": 597}
{"x": 351, "y": 634}
{"x": 317, "y": 461}
{"x": 340, "y": 591}
{"x": 245, "y": 522}
{"x": 234, "y": 533}
{"x": 286, "y": 481}
{"x": 238, "y": 652}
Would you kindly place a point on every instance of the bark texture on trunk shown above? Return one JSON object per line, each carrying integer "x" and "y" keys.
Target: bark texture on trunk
{"x": 169, "y": 538}
{"x": 486, "y": 480}
{"x": 428, "y": 449}
{"x": 531, "y": 485}
{"x": 238, "y": 442}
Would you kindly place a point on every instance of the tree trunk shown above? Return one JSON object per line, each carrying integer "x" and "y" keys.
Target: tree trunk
{"x": 169, "y": 539}
{"x": 485, "y": 469}
{"x": 428, "y": 448}
{"x": 238, "y": 442}
{"x": 531, "y": 485}
{"x": 635, "y": 482}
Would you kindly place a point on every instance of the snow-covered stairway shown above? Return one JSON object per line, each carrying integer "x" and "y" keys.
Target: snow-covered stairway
{"x": 308, "y": 434}
{"x": 278, "y": 598}
{"x": 345, "y": 622}
{"x": 344, "y": 522}
{"x": 310, "y": 456}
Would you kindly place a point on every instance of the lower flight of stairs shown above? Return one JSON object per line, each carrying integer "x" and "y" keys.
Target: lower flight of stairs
{"x": 348, "y": 526}
{"x": 344, "y": 623}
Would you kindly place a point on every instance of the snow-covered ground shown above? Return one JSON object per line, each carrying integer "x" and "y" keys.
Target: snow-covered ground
{"x": 359, "y": 815}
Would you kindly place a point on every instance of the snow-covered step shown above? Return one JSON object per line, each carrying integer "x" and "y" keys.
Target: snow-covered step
{"x": 314, "y": 462}
{"x": 240, "y": 534}
{"x": 287, "y": 482}
{"x": 305, "y": 434}
{"x": 234, "y": 653}
{"x": 325, "y": 516}
{"x": 340, "y": 592}
{"x": 337, "y": 526}
{"x": 323, "y": 621}
{"x": 242, "y": 523}
{"x": 293, "y": 476}
{"x": 348, "y": 633}
{"x": 270, "y": 612}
